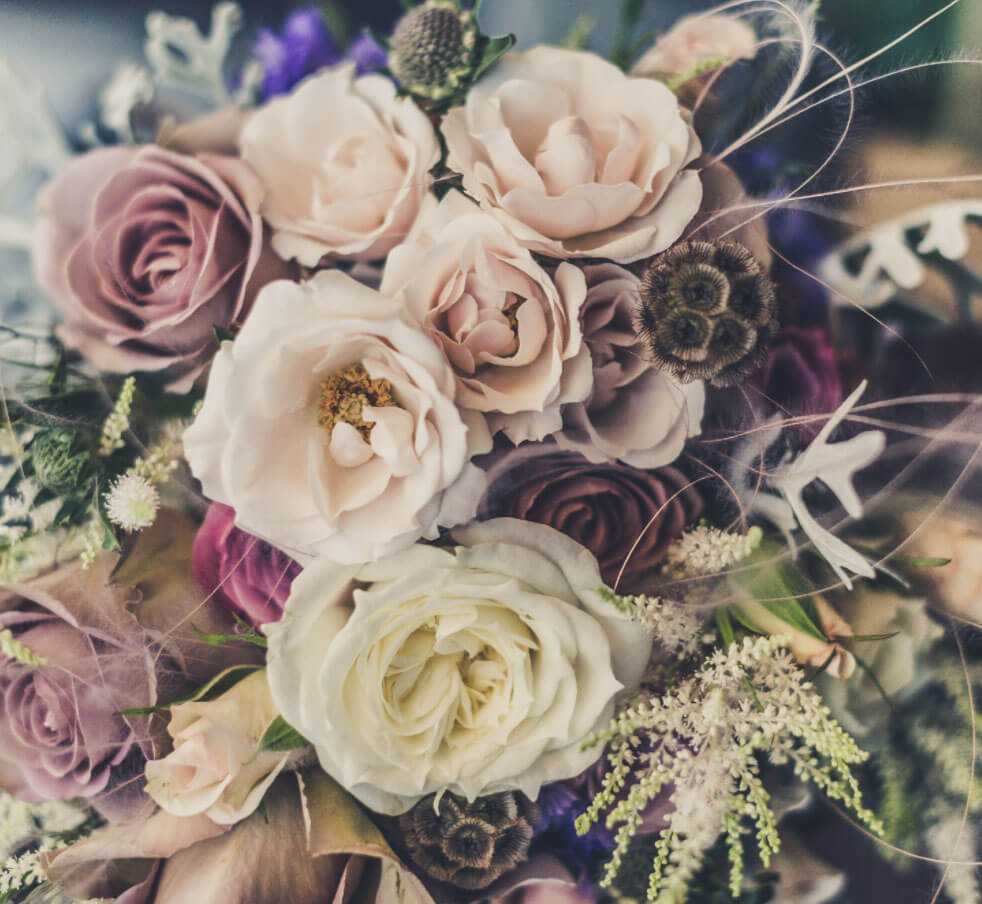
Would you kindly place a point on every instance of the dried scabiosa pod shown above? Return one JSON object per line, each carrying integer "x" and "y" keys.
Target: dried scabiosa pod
{"x": 707, "y": 312}
{"x": 469, "y": 844}
{"x": 433, "y": 49}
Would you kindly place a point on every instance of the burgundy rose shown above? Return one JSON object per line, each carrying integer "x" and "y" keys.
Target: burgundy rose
{"x": 801, "y": 375}
{"x": 608, "y": 507}
{"x": 146, "y": 251}
{"x": 244, "y": 574}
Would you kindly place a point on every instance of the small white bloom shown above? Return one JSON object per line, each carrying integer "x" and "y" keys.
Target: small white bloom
{"x": 132, "y": 502}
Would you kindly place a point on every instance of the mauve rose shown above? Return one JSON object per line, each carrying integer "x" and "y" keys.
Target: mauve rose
{"x": 606, "y": 507}
{"x": 243, "y": 573}
{"x": 800, "y": 376}
{"x": 145, "y": 251}
{"x": 60, "y": 732}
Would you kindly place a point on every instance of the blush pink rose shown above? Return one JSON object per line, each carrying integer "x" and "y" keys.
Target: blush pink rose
{"x": 146, "y": 251}
{"x": 696, "y": 40}
{"x": 243, "y": 573}
{"x": 510, "y": 331}
{"x": 576, "y": 158}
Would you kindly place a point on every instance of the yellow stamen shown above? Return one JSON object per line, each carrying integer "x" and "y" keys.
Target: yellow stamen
{"x": 344, "y": 395}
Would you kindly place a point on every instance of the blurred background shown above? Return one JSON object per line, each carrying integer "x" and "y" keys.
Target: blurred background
{"x": 928, "y": 123}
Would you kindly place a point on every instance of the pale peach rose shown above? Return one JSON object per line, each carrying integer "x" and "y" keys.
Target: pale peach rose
{"x": 697, "y": 39}
{"x": 510, "y": 331}
{"x": 576, "y": 158}
{"x": 329, "y": 425}
{"x": 804, "y": 647}
{"x": 345, "y": 163}
{"x": 634, "y": 412}
{"x": 216, "y": 767}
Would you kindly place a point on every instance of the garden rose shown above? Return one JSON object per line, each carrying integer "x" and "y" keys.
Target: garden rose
{"x": 698, "y": 39}
{"x": 510, "y": 330}
{"x": 61, "y": 735}
{"x": 472, "y": 670}
{"x": 607, "y": 507}
{"x": 635, "y": 412}
{"x": 329, "y": 425}
{"x": 216, "y": 767}
{"x": 576, "y": 158}
{"x": 146, "y": 251}
{"x": 239, "y": 571}
{"x": 345, "y": 164}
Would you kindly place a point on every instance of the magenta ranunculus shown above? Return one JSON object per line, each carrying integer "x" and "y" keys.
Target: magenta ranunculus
{"x": 608, "y": 507}
{"x": 244, "y": 574}
{"x": 145, "y": 251}
{"x": 61, "y": 735}
{"x": 800, "y": 376}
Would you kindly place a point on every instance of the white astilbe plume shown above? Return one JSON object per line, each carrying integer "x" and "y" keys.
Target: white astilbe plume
{"x": 703, "y": 739}
{"x": 674, "y": 627}
{"x": 709, "y": 550}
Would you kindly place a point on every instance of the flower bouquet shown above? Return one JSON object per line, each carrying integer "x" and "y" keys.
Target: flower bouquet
{"x": 430, "y": 484}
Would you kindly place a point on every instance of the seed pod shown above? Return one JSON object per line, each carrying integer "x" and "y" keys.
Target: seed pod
{"x": 707, "y": 312}
{"x": 432, "y": 50}
{"x": 469, "y": 844}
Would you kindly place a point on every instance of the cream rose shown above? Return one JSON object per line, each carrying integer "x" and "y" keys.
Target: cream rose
{"x": 215, "y": 768}
{"x": 329, "y": 425}
{"x": 695, "y": 40}
{"x": 510, "y": 330}
{"x": 345, "y": 164}
{"x": 635, "y": 412}
{"x": 473, "y": 670}
{"x": 576, "y": 158}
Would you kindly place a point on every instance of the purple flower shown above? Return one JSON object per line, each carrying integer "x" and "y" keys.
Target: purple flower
{"x": 243, "y": 573}
{"x": 367, "y": 54}
{"x": 305, "y": 46}
{"x": 801, "y": 375}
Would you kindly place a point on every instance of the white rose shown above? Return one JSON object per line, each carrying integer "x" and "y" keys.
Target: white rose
{"x": 698, "y": 39}
{"x": 214, "y": 768}
{"x": 474, "y": 670}
{"x": 635, "y": 412}
{"x": 510, "y": 330}
{"x": 329, "y": 425}
{"x": 345, "y": 163}
{"x": 576, "y": 158}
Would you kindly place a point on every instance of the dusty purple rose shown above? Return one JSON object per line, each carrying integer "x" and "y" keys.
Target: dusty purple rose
{"x": 608, "y": 507}
{"x": 245, "y": 574}
{"x": 145, "y": 252}
{"x": 801, "y": 375}
{"x": 61, "y": 735}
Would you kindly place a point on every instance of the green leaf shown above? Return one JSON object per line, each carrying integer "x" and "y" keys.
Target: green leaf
{"x": 725, "y": 626}
{"x": 217, "y": 686}
{"x": 281, "y": 735}
{"x": 493, "y": 48}
{"x": 866, "y": 638}
{"x": 213, "y": 640}
{"x": 222, "y": 334}
{"x": 876, "y": 681}
{"x": 779, "y": 588}
{"x": 922, "y": 561}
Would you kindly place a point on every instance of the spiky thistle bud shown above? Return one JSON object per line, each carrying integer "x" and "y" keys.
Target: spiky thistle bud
{"x": 59, "y": 462}
{"x": 433, "y": 49}
{"x": 469, "y": 844}
{"x": 707, "y": 312}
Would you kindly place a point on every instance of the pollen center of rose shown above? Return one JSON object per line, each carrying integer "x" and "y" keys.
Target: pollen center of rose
{"x": 344, "y": 395}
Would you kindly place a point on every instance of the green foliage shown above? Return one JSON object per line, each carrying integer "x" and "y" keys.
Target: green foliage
{"x": 282, "y": 736}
